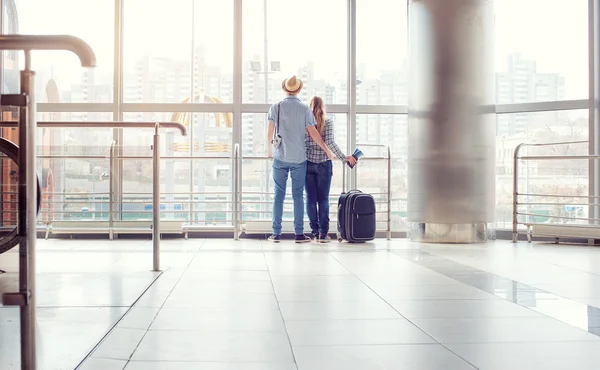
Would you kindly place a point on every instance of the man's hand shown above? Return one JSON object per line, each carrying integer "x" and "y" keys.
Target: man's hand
{"x": 330, "y": 155}
{"x": 350, "y": 159}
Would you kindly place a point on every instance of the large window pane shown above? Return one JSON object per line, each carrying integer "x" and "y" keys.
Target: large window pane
{"x": 381, "y": 69}
{"x": 195, "y": 188}
{"x": 312, "y": 45}
{"x": 541, "y": 50}
{"x": 74, "y": 168}
{"x": 385, "y": 130}
{"x": 543, "y": 177}
{"x": 59, "y": 75}
{"x": 177, "y": 49}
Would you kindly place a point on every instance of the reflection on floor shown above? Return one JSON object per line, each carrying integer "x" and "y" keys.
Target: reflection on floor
{"x": 250, "y": 305}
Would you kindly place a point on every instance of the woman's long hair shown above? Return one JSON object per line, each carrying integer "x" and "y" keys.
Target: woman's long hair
{"x": 318, "y": 109}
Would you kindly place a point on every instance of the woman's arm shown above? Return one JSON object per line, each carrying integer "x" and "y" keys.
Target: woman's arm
{"x": 329, "y": 139}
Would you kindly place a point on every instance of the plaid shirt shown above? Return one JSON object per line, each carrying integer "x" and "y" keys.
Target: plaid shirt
{"x": 314, "y": 153}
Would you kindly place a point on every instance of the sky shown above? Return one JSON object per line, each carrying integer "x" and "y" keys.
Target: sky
{"x": 552, "y": 32}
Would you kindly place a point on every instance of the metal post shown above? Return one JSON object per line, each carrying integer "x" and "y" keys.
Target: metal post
{"x": 235, "y": 191}
{"x": 111, "y": 190}
{"x": 237, "y": 96}
{"x": 27, "y": 216}
{"x": 351, "y": 139}
{"x": 266, "y": 53}
{"x": 515, "y": 234}
{"x": 389, "y": 194}
{"x": 156, "y": 200}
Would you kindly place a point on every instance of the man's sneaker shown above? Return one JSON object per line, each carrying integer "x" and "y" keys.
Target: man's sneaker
{"x": 274, "y": 238}
{"x": 314, "y": 236}
{"x": 302, "y": 239}
{"x": 324, "y": 238}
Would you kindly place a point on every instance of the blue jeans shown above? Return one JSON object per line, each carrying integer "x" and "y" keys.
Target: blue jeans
{"x": 280, "y": 176}
{"x": 318, "y": 184}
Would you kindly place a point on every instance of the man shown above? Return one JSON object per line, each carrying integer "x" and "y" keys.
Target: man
{"x": 288, "y": 121}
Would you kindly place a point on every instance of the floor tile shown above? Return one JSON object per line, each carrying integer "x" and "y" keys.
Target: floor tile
{"x": 214, "y": 347}
{"x": 530, "y": 356}
{"x": 138, "y": 318}
{"x": 326, "y": 293}
{"x": 453, "y": 308}
{"x": 502, "y": 330}
{"x": 195, "y": 320}
{"x": 136, "y": 365}
{"x": 355, "y": 332}
{"x": 224, "y": 275}
{"x": 224, "y": 301}
{"x": 393, "y": 293}
{"x": 327, "y": 310}
{"x": 119, "y": 344}
{"x": 102, "y": 364}
{"x": 409, "y": 357}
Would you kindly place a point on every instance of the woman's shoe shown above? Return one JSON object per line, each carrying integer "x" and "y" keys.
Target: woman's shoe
{"x": 274, "y": 238}
{"x": 324, "y": 238}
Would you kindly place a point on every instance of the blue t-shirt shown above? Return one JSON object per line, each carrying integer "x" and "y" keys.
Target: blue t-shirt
{"x": 294, "y": 118}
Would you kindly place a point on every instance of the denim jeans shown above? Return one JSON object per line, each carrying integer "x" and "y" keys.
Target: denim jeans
{"x": 280, "y": 176}
{"x": 318, "y": 184}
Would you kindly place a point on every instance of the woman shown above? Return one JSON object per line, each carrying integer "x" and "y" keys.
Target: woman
{"x": 319, "y": 171}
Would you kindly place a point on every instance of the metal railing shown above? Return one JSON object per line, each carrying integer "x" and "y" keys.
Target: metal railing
{"x": 25, "y": 298}
{"x": 560, "y": 229}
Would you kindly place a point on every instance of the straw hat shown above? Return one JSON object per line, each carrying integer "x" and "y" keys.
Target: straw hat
{"x": 292, "y": 85}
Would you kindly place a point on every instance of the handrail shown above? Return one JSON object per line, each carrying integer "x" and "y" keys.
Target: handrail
{"x": 86, "y": 55}
{"x": 102, "y": 124}
{"x": 235, "y": 190}
{"x": 517, "y": 157}
{"x": 27, "y": 177}
{"x": 111, "y": 194}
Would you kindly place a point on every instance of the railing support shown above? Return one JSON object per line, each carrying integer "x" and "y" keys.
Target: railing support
{"x": 111, "y": 195}
{"x": 235, "y": 191}
{"x": 27, "y": 215}
{"x": 156, "y": 200}
{"x": 515, "y": 232}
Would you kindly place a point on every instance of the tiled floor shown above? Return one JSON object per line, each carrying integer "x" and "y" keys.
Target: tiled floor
{"x": 250, "y": 305}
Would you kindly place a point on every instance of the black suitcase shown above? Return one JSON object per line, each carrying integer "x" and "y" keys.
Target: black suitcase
{"x": 356, "y": 217}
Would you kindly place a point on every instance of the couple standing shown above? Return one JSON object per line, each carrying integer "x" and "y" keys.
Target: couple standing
{"x": 301, "y": 138}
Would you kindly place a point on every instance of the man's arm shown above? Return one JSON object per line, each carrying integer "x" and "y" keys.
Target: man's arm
{"x": 312, "y": 131}
{"x": 270, "y": 131}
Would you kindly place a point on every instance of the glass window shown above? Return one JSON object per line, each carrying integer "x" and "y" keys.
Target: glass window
{"x": 382, "y": 71}
{"x": 373, "y": 130}
{"x": 545, "y": 177}
{"x": 178, "y": 49}
{"x": 74, "y": 168}
{"x": 194, "y": 188}
{"x": 541, "y": 50}
{"x": 312, "y": 44}
{"x": 59, "y": 75}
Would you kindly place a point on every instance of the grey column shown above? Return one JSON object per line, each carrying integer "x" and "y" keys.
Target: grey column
{"x": 451, "y": 125}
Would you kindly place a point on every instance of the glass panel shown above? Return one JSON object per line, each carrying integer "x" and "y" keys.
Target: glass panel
{"x": 551, "y": 178}
{"x": 74, "y": 168}
{"x": 541, "y": 50}
{"x": 382, "y": 72}
{"x": 194, "y": 40}
{"x": 59, "y": 75}
{"x": 317, "y": 57}
{"x": 388, "y": 130}
{"x": 203, "y": 198}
